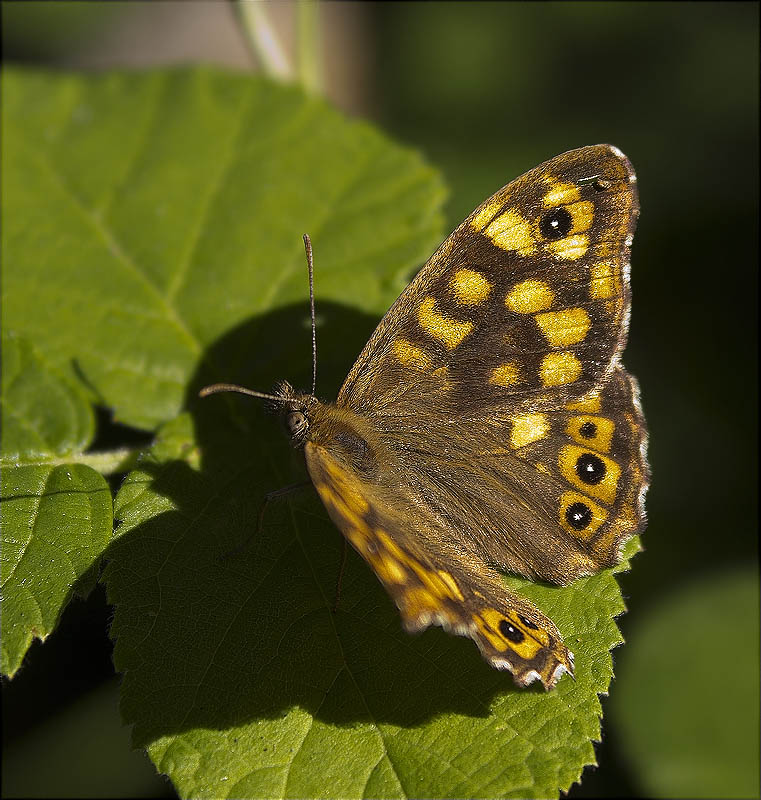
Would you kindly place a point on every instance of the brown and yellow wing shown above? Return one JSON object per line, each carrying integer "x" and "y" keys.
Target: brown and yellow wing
{"x": 431, "y": 581}
{"x": 503, "y": 352}
{"x": 549, "y": 494}
{"x": 526, "y": 303}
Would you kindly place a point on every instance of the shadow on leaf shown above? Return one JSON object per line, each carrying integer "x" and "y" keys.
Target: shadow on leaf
{"x": 214, "y": 639}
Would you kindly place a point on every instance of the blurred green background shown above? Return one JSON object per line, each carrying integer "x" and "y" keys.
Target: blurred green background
{"x": 487, "y": 91}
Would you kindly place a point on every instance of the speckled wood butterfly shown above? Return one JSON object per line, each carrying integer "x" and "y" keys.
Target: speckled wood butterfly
{"x": 488, "y": 423}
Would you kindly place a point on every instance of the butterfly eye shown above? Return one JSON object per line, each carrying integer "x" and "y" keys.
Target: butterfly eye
{"x": 296, "y": 422}
{"x": 555, "y": 224}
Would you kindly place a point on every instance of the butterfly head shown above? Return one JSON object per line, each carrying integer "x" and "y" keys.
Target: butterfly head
{"x": 295, "y": 408}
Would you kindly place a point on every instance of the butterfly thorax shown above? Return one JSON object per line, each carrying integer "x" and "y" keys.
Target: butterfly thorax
{"x": 345, "y": 435}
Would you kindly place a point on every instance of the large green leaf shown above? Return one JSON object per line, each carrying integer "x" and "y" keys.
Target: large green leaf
{"x": 242, "y": 681}
{"x": 152, "y": 213}
{"x": 153, "y": 244}
{"x": 56, "y": 513}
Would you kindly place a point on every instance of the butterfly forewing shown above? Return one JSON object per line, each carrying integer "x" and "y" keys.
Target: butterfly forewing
{"x": 526, "y": 302}
{"x": 429, "y": 579}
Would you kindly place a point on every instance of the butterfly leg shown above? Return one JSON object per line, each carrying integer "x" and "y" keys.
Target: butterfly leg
{"x": 341, "y": 571}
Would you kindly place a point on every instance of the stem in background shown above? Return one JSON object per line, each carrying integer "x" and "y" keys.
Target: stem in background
{"x": 262, "y": 39}
{"x": 308, "y": 46}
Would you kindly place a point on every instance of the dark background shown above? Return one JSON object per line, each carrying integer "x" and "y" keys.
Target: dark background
{"x": 487, "y": 91}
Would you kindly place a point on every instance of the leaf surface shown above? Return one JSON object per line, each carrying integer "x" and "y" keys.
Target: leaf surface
{"x": 152, "y": 213}
{"x": 56, "y": 513}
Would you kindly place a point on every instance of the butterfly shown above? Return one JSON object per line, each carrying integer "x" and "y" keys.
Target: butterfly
{"x": 488, "y": 425}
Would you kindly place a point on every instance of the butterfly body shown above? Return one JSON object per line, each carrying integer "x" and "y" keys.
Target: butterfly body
{"x": 488, "y": 423}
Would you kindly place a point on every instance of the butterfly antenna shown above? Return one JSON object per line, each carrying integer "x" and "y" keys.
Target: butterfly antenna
{"x": 310, "y": 267}
{"x": 233, "y": 387}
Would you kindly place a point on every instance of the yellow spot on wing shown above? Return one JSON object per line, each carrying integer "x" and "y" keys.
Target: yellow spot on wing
{"x": 582, "y": 215}
{"x": 527, "y": 429}
{"x": 561, "y": 194}
{"x": 410, "y": 355}
{"x": 602, "y": 436}
{"x": 505, "y": 375}
{"x": 564, "y": 328}
{"x": 590, "y": 403}
{"x": 485, "y": 214}
{"x": 450, "y": 582}
{"x": 448, "y": 331}
{"x": 432, "y": 580}
{"x": 602, "y": 281}
{"x": 510, "y": 231}
{"x": 418, "y": 601}
{"x": 388, "y": 569}
{"x": 560, "y": 368}
{"x": 570, "y": 248}
{"x": 469, "y": 287}
{"x": 529, "y": 296}
{"x": 391, "y": 545}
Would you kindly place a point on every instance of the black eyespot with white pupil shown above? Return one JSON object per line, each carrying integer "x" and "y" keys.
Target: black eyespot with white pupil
{"x": 555, "y": 224}
{"x": 588, "y": 430}
{"x": 510, "y": 632}
{"x": 590, "y": 468}
{"x": 578, "y": 516}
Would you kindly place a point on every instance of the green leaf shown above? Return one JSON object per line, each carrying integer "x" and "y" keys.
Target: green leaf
{"x": 241, "y": 681}
{"x": 696, "y": 735}
{"x": 152, "y": 213}
{"x": 153, "y": 245}
{"x": 56, "y": 513}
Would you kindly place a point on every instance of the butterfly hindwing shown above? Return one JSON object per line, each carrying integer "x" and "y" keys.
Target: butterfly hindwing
{"x": 588, "y": 474}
